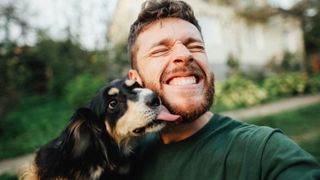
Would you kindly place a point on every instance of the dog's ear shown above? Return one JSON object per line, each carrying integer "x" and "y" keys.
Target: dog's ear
{"x": 79, "y": 142}
{"x": 83, "y": 129}
{"x": 56, "y": 158}
{"x": 97, "y": 103}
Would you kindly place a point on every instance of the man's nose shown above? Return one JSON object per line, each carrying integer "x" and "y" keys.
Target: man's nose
{"x": 182, "y": 55}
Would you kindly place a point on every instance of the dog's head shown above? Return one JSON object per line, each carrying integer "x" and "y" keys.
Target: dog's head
{"x": 128, "y": 110}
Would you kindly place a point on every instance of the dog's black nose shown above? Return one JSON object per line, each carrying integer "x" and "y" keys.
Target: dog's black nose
{"x": 153, "y": 100}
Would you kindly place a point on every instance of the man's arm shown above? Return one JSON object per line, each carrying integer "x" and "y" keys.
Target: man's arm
{"x": 284, "y": 159}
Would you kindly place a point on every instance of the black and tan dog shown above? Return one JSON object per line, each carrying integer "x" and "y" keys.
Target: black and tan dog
{"x": 99, "y": 139}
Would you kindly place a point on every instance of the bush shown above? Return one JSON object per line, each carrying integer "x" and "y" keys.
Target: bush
{"x": 237, "y": 91}
{"x": 286, "y": 84}
{"x": 35, "y": 121}
{"x": 62, "y": 59}
{"x": 45, "y": 67}
{"x": 82, "y": 88}
{"x": 117, "y": 63}
{"x": 314, "y": 83}
{"x": 8, "y": 177}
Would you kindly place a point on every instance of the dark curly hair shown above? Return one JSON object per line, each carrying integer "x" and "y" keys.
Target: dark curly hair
{"x": 153, "y": 10}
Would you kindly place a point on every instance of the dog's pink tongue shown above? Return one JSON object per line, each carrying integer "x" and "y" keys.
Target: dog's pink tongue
{"x": 165, "y": 115}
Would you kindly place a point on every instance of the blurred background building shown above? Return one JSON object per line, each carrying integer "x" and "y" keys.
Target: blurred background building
{"x": 250, "y": 32}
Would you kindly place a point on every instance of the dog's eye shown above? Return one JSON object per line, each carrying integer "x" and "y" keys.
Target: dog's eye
{"x": 113, "y": 104}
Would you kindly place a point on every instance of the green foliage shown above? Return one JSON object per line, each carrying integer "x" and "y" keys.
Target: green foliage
{"x": 237, "y": 91}
{"x": 13, "y": 75}
{"x": 233, "y": 64}
{"x": 36, "y": 121}
{"x": 308, "y": 13}
{"x": 286, "y": 84}
{"x": 311, "y": 25}
{"x": 44, "y": 68}
{"x": 61, "y": 60}
{"x": 8, "y": 177}
{"x": 290, "y": 62}
{"x": 82, "y": 88}
{"x": 314, "y": 83}
{"x": 117, "y": 63}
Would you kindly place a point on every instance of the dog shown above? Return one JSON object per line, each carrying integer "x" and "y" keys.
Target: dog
{"x": 101, "y": 137}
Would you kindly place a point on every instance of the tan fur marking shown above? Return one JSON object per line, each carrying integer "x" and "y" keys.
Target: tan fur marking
{"x": 80, "y": 144}
{"x": 108, "y": 128}
{"x": 28, "y": 172}
{"x": 129, "y": 82}
{"x": 75, "y": 128}
{"x": 96, "y": 172}
{"x": 133, "y": 118}
{"x": 113, "y": 91}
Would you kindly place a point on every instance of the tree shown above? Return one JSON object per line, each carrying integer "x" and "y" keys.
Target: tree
{"x": 13, "y": 15}
{"x": 308, "y": 11}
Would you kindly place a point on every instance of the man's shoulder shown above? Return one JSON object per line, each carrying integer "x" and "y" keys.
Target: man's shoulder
{"x": 239, "y": 134}
{"x": 236, "y": 127}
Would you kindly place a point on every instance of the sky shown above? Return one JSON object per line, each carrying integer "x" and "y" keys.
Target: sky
{"x": 87, "y": 18}
{"x": 283, "y": 3}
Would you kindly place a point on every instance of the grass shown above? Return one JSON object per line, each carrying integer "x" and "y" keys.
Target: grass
{"x": 219, "y": 107}
{"x": 312, "y": 146}
{"x": 302, "y": 125}
{"x": 8, "y": 177}
{"x": 35, "y": 121}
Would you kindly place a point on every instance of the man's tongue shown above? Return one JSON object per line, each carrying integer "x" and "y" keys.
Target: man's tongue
{"x": 165, "y": 115}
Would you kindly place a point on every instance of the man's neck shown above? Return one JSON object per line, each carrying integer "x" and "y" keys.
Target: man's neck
{"x": 178, "y": 132}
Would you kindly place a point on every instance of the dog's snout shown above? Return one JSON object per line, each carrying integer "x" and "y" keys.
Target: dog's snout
{"x": 153, "y": 100}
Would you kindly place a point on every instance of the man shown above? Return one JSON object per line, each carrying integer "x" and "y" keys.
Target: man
{"x": 168, "y": 55}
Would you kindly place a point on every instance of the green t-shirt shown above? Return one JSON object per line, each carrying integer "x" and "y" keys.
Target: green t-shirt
{"x": 225, "y": 149}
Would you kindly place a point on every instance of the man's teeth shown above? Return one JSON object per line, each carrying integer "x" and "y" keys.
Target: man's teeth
{"x": 183, "y": 80}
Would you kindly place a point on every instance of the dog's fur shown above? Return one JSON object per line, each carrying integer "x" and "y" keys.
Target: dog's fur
{"x": 99, "y": 139}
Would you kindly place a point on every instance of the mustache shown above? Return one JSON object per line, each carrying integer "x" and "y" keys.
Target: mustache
{"x": 190, "y": 69}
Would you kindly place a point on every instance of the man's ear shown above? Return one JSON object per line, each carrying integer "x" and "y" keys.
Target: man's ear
{"x": 134, "y": 75}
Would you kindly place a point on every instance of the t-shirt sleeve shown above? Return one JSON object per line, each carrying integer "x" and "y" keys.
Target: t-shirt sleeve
{"x": 282, "y": 159}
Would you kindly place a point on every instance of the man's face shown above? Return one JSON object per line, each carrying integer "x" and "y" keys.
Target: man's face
{"x": 171, "y": 60}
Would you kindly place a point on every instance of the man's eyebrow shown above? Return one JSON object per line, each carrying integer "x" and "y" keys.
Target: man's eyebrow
{"x": 192, "y": 40}
{"x": 165, "y": 41}
{"x": 168, "y": 41}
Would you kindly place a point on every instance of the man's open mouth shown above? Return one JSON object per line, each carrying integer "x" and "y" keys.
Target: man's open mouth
{"x": 183, "y": 80}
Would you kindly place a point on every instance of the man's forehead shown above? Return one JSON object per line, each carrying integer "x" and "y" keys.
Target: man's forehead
{"x": 167, "y": 29}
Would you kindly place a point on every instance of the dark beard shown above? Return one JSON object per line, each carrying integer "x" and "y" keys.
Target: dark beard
{"x": 193, "y": 114}
{"x": 190, "y": 116}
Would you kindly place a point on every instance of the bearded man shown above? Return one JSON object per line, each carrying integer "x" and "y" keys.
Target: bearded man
{"x": 168, "y": 55}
